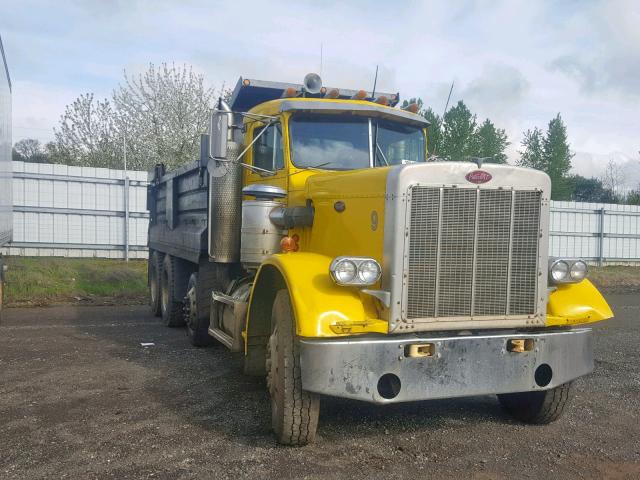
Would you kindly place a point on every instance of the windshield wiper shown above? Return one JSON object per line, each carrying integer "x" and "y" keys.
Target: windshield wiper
{"x": 312, "y": 167}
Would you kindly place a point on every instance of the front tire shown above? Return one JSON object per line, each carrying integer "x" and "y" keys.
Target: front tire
{"x": 294, "y": 412}
{"x": 539, "y": 407}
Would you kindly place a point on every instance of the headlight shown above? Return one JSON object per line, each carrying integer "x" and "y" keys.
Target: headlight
{"x": 578, "y": 271}
{"x": 559, "y": 271}
{"x": 369, "y": 272}
{"x": 355, "y": 271}
{"x": 566, "y": 270}
{"x": 345, "y": 271}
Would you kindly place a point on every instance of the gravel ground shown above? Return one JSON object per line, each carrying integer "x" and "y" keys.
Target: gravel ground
{"x": 81, "y": 398}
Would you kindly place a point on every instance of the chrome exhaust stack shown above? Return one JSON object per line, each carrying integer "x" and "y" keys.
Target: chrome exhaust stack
{"x": 225, "y": 187}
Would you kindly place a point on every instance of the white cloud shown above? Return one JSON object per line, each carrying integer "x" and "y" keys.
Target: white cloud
{"x": 36, "y": 108}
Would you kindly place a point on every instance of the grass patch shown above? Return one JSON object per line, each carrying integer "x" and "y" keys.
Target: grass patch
{"x": 616, "y": 278}
{"x": 41, "y": 281}
{"x": 51, "y": 280}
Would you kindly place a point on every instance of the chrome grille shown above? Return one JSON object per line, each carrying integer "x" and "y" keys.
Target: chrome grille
{"x": 472, "y": 252}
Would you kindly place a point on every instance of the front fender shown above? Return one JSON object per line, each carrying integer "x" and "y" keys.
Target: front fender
{"x": 577, "y": 303}
{"x": 322, "y": 308}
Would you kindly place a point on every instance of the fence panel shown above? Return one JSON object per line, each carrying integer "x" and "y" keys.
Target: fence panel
{"x": 82, "y": 212}
{"x": 602, "y": 233}
{"x": 61, "y": 210}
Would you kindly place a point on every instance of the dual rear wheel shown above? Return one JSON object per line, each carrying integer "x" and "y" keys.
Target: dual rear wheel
{"x": 167, "y": 277}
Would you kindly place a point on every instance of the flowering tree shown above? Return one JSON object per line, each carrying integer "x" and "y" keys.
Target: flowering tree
{"x": 159, "y": 115}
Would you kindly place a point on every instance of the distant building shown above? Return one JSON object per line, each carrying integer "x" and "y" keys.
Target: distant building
{"x": 6, "y": 219}
{"x": 5, "y": 150}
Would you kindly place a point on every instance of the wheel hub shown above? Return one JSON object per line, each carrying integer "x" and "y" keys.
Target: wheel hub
{"x": 190, "y": 307}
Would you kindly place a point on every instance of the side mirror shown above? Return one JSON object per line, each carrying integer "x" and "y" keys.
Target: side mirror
{"x": 219, "y": 130}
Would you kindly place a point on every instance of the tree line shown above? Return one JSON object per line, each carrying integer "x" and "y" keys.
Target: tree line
{"x": 458, "y": 136}
{"x": 158, "y": 116}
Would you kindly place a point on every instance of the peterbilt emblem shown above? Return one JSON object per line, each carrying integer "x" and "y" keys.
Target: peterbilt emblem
{"x": 478, "y": 176}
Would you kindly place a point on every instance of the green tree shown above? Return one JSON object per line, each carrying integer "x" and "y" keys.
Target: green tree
{"x": 590, "y": 190}
{"x": 434, "y": 132}
{"x": 30, "y": 150}
{"x": 532, "y": 155}
{"x": 557, "y": 158}
{"x": 634, "y": 197}
{"x": 491, "y": 142}
{"x": 458, "y": 133}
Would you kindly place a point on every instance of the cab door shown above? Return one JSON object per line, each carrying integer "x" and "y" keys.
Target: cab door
{"x": 267, "y": 155}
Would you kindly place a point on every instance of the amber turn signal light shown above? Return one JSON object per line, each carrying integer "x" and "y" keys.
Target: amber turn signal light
{"x": 289, "y": 244}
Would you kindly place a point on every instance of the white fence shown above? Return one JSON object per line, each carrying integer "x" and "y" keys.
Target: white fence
{"x": 96, "y": 212}
{"x": 60, "y": 210}
{"x": 601, "y": 233}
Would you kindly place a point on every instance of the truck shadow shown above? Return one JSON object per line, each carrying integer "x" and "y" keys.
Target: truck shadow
{"x": 206, "y": 389}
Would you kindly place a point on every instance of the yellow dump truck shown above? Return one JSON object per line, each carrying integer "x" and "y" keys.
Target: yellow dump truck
{"x": 314, "y": 236}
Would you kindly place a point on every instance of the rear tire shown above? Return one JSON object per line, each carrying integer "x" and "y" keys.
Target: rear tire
{"x": 294, "y": 412}
{"x": 539, "y": 407}
{"x": 196, "y": 320}
{"x": 170, "y": 286}
{"x": 154, "y": 268}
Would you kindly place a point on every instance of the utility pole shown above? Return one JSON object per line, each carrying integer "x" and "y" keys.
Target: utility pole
{"x": 124, "y": 149}
{"x": 126, "y": 199}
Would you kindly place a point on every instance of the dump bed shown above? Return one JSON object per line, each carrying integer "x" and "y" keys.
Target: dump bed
{"x": 177, "y": 204}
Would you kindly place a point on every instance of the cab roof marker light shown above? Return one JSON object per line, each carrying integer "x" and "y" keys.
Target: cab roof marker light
{"x": 412, "y": 107}
{"x": 359, "y": 95}
{"x": 333, "y": 93}
{"x": 382, "y": 100}
{"x": 290, "y": 93}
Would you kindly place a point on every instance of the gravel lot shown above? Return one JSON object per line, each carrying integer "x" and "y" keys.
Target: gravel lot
{"x": 81, "y": 398}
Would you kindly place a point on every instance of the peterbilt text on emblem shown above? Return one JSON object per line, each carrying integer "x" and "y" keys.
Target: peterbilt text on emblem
{"x": 478, "y": 176}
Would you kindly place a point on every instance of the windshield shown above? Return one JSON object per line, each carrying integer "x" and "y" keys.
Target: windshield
{"x": 346, "y": 142}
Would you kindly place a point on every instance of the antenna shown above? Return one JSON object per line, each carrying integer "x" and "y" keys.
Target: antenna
{"x": 435, "y": 150}
{"x": 448, "y": 98}
{"x": 321, "y": 59}
{"x": 375, "y": 81}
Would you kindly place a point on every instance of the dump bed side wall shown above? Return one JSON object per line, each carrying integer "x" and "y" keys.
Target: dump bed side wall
{"x": 177, "y": 203}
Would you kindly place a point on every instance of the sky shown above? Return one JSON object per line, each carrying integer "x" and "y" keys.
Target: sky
{"x": 516, "y": 62}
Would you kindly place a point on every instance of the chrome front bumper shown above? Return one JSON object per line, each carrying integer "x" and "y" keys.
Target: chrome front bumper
{"x": 381, "y": 370}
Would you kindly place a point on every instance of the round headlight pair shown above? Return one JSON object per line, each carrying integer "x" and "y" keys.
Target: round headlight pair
{"x": 568, "y": 271}
{"x": 355, "y": 271}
